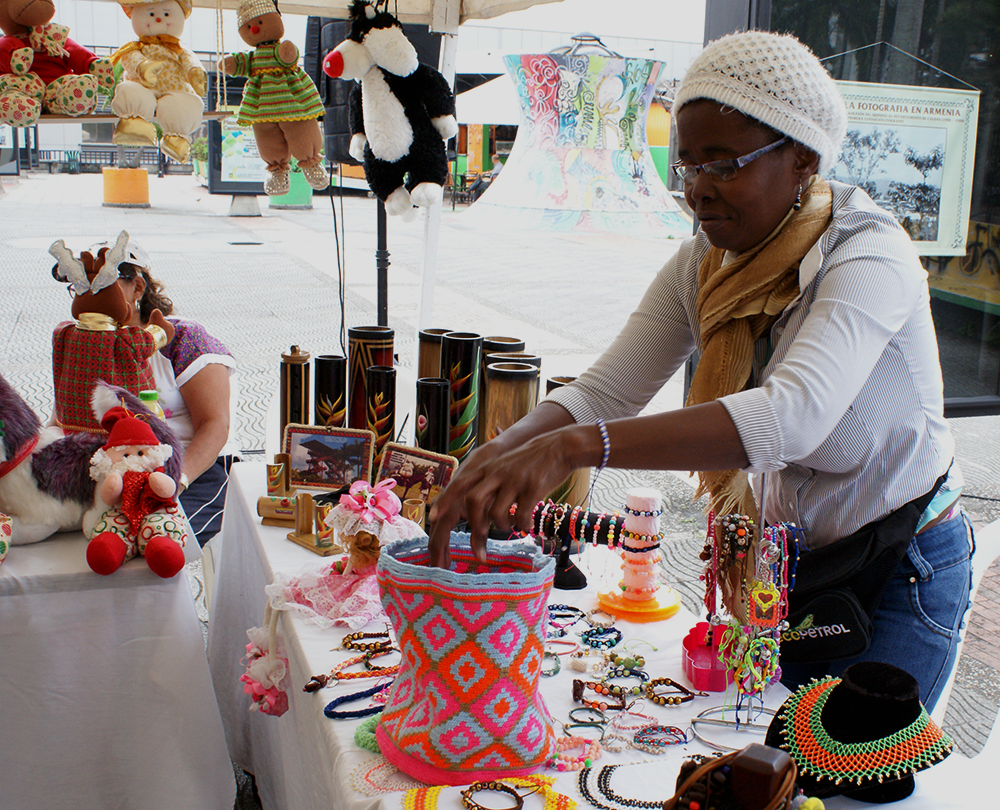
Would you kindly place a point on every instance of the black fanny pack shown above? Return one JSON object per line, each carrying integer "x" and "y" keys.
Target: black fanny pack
{"x": 838, "y": 587}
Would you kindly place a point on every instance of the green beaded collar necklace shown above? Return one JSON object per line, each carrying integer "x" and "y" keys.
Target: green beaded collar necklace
{"x": 911, "y": 749}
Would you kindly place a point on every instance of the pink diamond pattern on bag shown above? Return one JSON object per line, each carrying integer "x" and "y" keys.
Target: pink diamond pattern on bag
{"x": 465, "y": 705}
{"x": 500, "y": 708}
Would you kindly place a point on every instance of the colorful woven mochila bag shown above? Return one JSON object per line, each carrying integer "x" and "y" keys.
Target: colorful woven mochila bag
{"x": 465, "y": 704}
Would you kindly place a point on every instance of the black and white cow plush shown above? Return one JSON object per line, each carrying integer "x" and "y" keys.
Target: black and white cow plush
{"x": 401, "y": 112}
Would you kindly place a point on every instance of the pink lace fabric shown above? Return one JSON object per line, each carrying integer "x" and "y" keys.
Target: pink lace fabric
{"x": 326, "y": 597}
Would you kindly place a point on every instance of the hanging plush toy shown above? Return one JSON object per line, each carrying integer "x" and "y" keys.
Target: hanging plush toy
{"x": 141, "y": 515}
{"x": 401, "y": 111}
{"x": 99, "y": 344}
{"x": 279, "y": 100}
{"x": 42, "y": 68}
{"x": 162, "y": 80}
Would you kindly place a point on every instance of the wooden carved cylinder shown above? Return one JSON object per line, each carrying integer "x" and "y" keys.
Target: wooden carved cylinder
{"x": 381, "y": 387}
{"x": 433, "y": 414}
{"x": 461, "y": 354}
{"x": 330, "y": 399}
{"x": 366, "y": 346}
{"x": 512, "y": 391}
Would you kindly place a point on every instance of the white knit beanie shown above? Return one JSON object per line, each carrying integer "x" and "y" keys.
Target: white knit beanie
{"x": 775, "y": 79}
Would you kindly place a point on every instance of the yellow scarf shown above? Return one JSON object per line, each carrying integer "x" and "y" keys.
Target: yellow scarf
{"x": 169, "y": 42}
{"x": 738, "y": 303}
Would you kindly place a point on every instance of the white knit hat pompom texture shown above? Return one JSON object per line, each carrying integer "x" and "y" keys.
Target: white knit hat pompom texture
{"x": 775, "y": 79}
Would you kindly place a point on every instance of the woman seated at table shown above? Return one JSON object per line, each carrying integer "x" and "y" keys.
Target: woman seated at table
{"x": 818, "y": 370}
{"x": 192, "y": 375}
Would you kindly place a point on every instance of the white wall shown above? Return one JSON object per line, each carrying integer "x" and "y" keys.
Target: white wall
{"x": 60, "y": 136}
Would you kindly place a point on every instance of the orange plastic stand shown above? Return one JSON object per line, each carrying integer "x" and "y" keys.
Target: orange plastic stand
{"x": 663, "y": 605}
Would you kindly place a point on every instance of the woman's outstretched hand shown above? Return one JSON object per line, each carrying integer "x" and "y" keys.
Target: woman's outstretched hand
{"x": 493, "y": 479}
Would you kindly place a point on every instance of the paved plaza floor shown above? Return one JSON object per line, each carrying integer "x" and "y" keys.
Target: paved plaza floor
{"x": 262, "y": 284}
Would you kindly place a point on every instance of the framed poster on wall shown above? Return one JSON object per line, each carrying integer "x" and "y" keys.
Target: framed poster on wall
{"x": 913, "y": 150}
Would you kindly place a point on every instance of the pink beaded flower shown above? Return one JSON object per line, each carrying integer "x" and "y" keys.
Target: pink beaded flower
{"x": 368, "y": 502}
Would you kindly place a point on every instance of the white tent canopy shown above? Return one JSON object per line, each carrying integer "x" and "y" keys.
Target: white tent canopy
{"x": 441, "y": 14}
{"x": 493, "y": 102}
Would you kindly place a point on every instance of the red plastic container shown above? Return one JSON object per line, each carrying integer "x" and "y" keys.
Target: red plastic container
{"x": 701, "y": 660}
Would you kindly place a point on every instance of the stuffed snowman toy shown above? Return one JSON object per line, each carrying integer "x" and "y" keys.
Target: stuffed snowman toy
{"x": 162, "y": 80}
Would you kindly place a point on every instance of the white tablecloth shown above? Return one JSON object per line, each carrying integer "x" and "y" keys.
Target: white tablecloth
{"x": 105, "y": 695}
{"x": 303, "y": 760}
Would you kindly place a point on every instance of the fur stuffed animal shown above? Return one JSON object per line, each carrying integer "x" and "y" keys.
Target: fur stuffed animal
{"x": 43, "y": 68}
{"x": 99, "y": 344}
{"x": 162, "y": 80}
{"x": 279, "y": 100}
{"x": 142, "y": 516}
{"x": 401, "y": 112}
{"x": 45, "y": 483}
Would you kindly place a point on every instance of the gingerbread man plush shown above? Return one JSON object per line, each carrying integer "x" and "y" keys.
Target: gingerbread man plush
{"x": 99, "y": 344}
{"x": 142, "y": 517}
{"x": 41, "y": 68}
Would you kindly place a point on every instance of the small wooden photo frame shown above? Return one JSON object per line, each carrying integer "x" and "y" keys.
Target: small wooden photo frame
{"x": 328, "y": 458}
{"x": 418, "y": 473}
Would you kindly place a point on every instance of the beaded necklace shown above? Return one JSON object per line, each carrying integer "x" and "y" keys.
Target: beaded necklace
{"x": 591, "y": 783}
{"x": 815, "y": 752}
{"x": 426, "y": 798}
{"x": 377, "y": 776}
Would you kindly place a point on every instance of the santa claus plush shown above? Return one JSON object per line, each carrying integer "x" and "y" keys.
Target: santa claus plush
{"x": 142, "y": 516}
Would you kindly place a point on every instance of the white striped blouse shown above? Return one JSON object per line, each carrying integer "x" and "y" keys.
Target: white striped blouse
{"x": 846, "y": 412}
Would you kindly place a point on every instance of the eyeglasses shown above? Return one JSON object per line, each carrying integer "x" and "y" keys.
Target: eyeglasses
{"x": 722, "y": 169}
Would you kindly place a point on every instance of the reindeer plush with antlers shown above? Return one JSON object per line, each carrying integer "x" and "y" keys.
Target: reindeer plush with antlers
{"x": 101, "y": 343}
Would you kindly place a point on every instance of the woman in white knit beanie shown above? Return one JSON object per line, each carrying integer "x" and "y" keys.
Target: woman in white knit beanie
{"x": 818, "y": 372}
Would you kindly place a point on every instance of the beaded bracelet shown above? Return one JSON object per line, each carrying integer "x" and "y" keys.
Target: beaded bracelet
{"x": 597, "y": 528}
{"x": 549, "y": 656}
{"x": 611, "y": 529}
{"x": 597, "y": 716}
{"x": 333, "y": 704}
{"x": 639, "y": 513}
{"x": 557, "y": 521}
{"x": 626, "y": 662}
{"x": 564, "y": 762}
{"x": 352, "y": 641}
{"x": 683, "y": 695}
{"x": 577, "y": 661}
{"x": 603, "y": 691}
{"x": 573, "y": 517}
{"x": 591, "y": 617}
{"x": 621, "y": 672}
{"x": 642, "y": 538}
{"x": 656, "y": 738}
{"x": 559, "y": 612}
{"x": 643, "y": 550}
{"x": 601, "y": 637}
{"x": 499, "y": 787}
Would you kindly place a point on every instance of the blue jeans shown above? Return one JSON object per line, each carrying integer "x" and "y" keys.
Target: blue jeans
{"x": 919, "y": 620}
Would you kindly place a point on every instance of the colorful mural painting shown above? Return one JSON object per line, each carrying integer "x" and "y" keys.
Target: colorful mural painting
{"x": 580, "y": 160}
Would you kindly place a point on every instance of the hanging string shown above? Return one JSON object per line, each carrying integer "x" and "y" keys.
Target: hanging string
{"x": 905, "y": 53}
{"x": 221, "y": 95}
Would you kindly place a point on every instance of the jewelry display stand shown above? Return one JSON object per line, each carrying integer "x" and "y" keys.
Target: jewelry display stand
{"x": 642, "y": 598}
